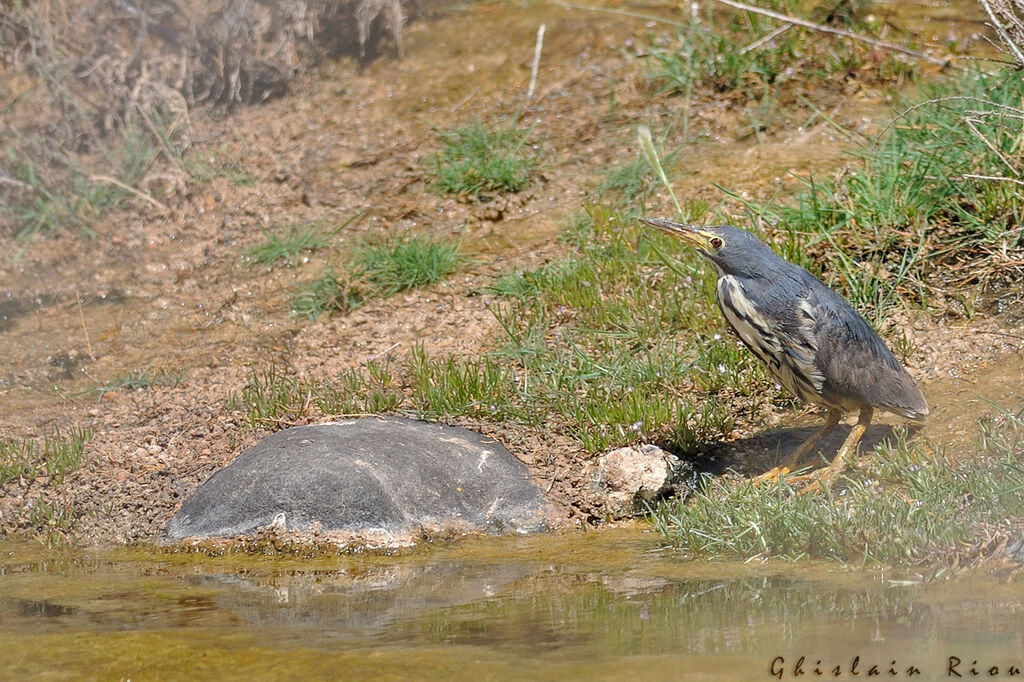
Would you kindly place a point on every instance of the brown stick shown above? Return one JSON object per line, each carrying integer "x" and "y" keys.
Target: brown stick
{"x": 999, "y": 178}
{"x": 141, "y": 195}
{"x": 159, "y": 138}
{"x": 536, "y": 62}
{"x": 835, "y": 31}
{"x": 85, "y": 331}
{"x": 621, "y": 13}
{"x": 1004, "y": 35}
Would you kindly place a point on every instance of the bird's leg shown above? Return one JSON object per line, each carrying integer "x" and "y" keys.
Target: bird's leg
{"x": 849, "y": 446}
{"x": 805, "y": 448}
{"x": 808, "y": 445}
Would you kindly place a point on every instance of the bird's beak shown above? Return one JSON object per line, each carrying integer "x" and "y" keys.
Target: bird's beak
{"x": 691, "y": 234}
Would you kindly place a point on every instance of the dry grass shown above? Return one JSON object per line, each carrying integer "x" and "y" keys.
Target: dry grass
{"x": 82, "y": 71}
{"x": 1007, "y": 17}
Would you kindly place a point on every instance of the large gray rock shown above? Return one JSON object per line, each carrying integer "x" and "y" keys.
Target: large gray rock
{"x": 393, "y": 475}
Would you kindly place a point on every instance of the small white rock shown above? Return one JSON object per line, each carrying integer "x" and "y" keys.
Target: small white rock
{"x": 629, "y": 477}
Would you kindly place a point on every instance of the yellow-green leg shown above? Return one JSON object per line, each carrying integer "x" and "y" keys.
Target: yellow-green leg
{"x": 805, "y": 448}
{"x": 849, "y": 447}
{"x": 808, "y": 445}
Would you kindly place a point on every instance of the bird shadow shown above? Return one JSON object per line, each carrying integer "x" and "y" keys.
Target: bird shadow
{"x": 761, "y": 452}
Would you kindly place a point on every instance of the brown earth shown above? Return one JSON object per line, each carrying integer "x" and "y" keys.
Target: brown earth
{"x": 174, "y": 292}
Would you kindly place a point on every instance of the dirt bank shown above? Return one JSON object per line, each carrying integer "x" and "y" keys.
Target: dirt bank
{"x": 173, "y": 292}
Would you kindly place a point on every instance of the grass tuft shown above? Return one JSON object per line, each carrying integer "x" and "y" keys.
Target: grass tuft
{"x": 378, "y": 271}
{"x": 274, "y": 398}
{"x": 140, "y": 378}
{"x": 327, "y": 293}
{"x": 53, "y": 522}
{"x": 270, "y": 397}
{"x": 907, "y": 217}
{"x": 407, "y": 263}
{"x": 750, "y": 56}
{"x": 55, "y": 457}
{"x": 481, "y": 386}
{"x": 908, "y": 503}
{"x": 225, "y": 162}
{"x": 49, "y": 192}
{"x": 476, "y": 159}
{"x": 288, "y": 244}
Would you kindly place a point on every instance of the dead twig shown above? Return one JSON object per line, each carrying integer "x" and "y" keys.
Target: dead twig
{"x": 970, "y": 123}
{"x": 1004, "y": 334}
{"x": 835, "y": 31}
{"x": 85, "y": 331}
{"x": 387, "y": 350}
{"x": 1001, "y": 29}
{"x": 6, "y": 179}
{"x": 453, "y": 108}
{"x": 998, "y": 178}
{"x": 132, "y": 190}
{"x": 766, "y": 38}
{"x": 622, "y": 13}
{"x": 536, "y": 62}
{"x": 160, "y": 138}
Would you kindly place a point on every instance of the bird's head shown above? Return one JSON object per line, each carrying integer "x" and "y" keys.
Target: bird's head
{"x": 733, "y": 250}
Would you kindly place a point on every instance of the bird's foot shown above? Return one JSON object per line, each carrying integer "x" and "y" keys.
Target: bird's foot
{"x": 814, "y": 486}
{"x": 820, "y": 480}
{"x": 771, "y": 476}
{"x": 805, "y": 482}
{"x": 783, "y": 473}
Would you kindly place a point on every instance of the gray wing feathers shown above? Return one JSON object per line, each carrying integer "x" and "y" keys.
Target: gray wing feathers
{"x": 857, "y": 364}
{"x": 824, "y": 340}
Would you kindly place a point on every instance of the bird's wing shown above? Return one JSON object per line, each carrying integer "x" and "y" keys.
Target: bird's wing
{"x": 856, "y": 365}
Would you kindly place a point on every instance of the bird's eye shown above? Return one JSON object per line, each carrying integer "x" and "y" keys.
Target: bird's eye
{"x": 716, "y": 242}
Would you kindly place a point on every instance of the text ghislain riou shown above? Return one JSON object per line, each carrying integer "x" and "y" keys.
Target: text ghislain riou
{"x": 953, "y": 667}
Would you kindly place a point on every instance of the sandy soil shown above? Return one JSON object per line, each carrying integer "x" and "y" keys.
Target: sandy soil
{"x": 173, "y": 292}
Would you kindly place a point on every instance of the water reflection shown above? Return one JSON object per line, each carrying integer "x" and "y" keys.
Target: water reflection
{"x": 361, "y": 603}
{"x": 570, "y": 606}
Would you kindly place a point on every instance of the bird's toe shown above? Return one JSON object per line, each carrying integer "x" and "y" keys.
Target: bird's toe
{"x": 771, "y": 476}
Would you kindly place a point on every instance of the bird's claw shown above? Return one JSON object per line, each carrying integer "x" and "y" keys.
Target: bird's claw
{"x": 771, "y": 476}
{"x": 813, "y": 479}
{"x": 815, "y": 486}
{"x": 819, "y": 481}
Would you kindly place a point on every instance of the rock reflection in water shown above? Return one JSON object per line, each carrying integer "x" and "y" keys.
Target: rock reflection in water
{"x": 360, "y": 603}
{"x": 556, "y": 606}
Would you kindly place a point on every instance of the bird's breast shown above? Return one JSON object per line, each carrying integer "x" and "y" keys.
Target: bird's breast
{"x": 792, "y": 364}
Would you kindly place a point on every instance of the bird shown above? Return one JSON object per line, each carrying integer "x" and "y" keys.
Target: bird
{"x": 813, "y": 342}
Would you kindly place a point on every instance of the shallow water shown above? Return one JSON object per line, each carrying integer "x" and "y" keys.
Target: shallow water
{"x": 609, "y": 604}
